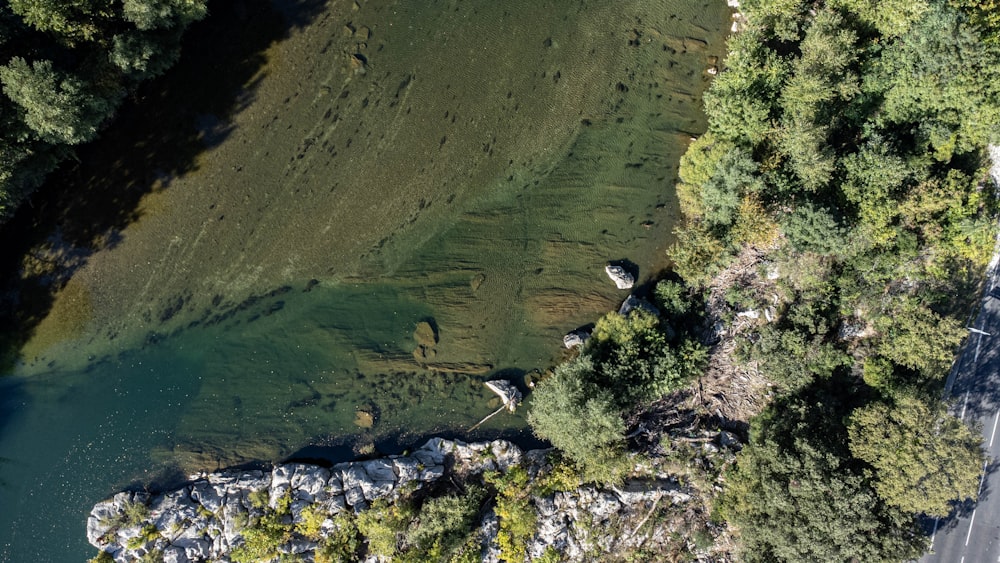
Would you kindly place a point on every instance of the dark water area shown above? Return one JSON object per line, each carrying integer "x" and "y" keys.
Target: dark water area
{"x": 321, "y": 232}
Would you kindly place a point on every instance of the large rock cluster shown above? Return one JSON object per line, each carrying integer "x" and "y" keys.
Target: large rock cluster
{"x": 203, "y": 520}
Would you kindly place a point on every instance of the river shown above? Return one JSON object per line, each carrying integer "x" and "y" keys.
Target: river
{"x": 397, "y": 201}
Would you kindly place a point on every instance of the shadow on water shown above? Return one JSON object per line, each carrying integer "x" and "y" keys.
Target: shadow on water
{"x": 401, "y": 442}
{"x": 156, "y": 136}
{"x": 345, "y": 450}
{"x": 11, "y": 396}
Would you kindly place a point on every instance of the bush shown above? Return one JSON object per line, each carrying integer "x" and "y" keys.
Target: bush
{"x": 343, "y": 543}
{"x": 579, "y": 419}
{"x": 312, "y": 522}
{"x": 102, "y": 557}
{"x": 262, "y": 539}
{"x": 444, "y": 523}
{"x": 383, "y": 526}
{"x": 513, "y": 508}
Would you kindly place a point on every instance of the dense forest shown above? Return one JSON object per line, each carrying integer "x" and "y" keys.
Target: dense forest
{"x": 847, "y": 146}
{"x": 66, "y": 67}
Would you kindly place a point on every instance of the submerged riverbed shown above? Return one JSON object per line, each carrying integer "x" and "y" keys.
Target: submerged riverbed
{"x": 408, "y": 199}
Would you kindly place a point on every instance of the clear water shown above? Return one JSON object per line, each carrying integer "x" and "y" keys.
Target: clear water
{"x": 478, "y": 175}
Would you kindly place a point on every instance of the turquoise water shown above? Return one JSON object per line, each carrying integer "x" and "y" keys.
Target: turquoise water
{"x": 265, "y": 305}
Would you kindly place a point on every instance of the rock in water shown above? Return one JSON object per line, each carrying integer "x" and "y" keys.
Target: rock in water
{"x": 509, "y": 394}
{"x": 622, "y": 279}
{"x": 425, "y": 335}
{"x": 364, "y": 419}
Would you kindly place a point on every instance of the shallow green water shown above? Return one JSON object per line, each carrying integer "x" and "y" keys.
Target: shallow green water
{"x": 300, "y": 311}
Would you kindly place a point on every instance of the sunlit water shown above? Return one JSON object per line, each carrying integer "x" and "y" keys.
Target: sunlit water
{"x": 477, "y": 177}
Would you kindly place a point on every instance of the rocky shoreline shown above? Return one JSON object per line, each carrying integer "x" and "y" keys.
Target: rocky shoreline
{"x": 208, "y": 519}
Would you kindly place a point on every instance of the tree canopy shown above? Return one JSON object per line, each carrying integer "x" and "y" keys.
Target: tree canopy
{"x": 847, "y": 140}
{"x": 65, "y": 66}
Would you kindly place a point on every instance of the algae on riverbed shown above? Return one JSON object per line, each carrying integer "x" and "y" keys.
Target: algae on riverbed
{"x": 478, "y": 169}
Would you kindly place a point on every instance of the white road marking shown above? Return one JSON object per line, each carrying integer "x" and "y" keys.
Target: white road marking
{"x": 971, "y": 521}
{"x": 933, "y": 534}
{"x": 982, "y": 478}
{"x": 979, "y": 341}
{"x": 964, "y": 405}
{"x": 994, "y": 434}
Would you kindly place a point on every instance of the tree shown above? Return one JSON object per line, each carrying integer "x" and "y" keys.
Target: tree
{"x": 697, "y": 166}
{"x": 697, "y": 255}
{"x": 795, "y": 495}
{"x": 141, "y": 55}
{"x": 72, "y": 20}
{"x": 163, "y": 14}
{"x": 943, "y": 81}
{"x": 734, "y": 175}
{"x": 742, "y": 99}
{"x": 57, "y": 106}
{"x": 891, "y": 18}
{"x": 923, "y": 457}
{"x": 918, "y": 338}
{"x": 812, "y": 228}
{"x": 792, "y": 360}
{"x": 581, "y": 420}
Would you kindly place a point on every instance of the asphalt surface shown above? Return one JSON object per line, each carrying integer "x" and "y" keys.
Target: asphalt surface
{"x": 972, "y": 533}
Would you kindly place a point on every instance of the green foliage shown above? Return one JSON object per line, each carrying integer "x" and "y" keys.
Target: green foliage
{"x": 942, "y": 80}
{"x": 794, "y": 360}
{"x": 697, "y": 167}
{"x": 134, "y": 514}
{"x": 580, "y": 419}
{"x": 631, "y": 355}
{"x": 923, "y": 457}
{"x": 57, "y": 106}
{"x": 753, "y": 224}
{"x": 984, "y": 15}
{"x": 672, "y": 298}
{"x": 148, "y": 533}
{"x": 867, "y": 121}
{"x": 514, "y": 510}
{"x": 918, "y": 338}
{"x": 68, "y": 65}
{"x": 796, "y": 496}
{"x": 342, "y": 544}
{"x": 734, "y": 176}
{"x": 259, "y": 498}
{"x": 444, "y": 525}
{"x": 383, "y": 525}
{"x": 311, "y": 522}
{"x": 813, "y": 229}
{"x": 628, "y": 362}
{"x": 262, "y": 538}
{"x": 101, "y": 557}
{"x": 697, "y": 255}
{"x": 141, "y": 55}
{"x": 162, "y": 14}
{"x": 742, "y": 100}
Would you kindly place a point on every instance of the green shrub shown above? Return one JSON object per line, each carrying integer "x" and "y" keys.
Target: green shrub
{"x": 262, "y": 539}
{"x": 312, "y": 522}
{"x": 259, "y": 498}
{"x": 579, "y": 419}
{"x": 443, "y": 523}
{"x": 516, "y": 515}
{"x": 102, "y": 557}
{"x": 383, "y": 525}
{"x": 343, "y": 543}
{"x": 148, "y": 534}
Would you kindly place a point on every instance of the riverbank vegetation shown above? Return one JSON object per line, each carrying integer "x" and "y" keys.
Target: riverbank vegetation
{"x": 846, "y": 148}
{"x": 66, "y": 67}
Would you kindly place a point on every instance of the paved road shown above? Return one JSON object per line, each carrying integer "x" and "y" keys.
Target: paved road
{"x": 973, "y": 534}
